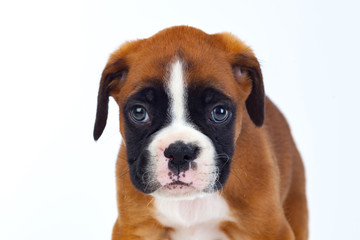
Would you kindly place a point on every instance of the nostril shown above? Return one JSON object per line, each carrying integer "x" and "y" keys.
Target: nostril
{"x": 168, "y": 153}
{"x": 188, "y": 158}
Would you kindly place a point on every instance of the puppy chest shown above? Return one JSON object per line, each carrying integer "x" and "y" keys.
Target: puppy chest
{"x": 196, "y": 219}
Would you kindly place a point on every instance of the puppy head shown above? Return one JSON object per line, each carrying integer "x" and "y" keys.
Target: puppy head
{"x": 182, "y": 96}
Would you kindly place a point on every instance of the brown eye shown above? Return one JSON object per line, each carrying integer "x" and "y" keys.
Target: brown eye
{"x": 219, "y": 114}
{"x": 139, "y": 114}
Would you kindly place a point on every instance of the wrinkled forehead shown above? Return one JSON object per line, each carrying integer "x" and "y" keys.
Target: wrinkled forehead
{"x": 191, "y": 69}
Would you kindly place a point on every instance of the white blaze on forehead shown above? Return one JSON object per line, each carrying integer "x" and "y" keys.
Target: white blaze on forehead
{"x": 177, "y": 92}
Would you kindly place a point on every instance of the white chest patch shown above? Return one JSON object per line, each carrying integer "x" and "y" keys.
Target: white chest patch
{"x": 196, "y": 219}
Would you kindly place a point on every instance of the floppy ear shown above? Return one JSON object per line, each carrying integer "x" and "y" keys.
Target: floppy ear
{"x": 255, "y": 103}
{"x": 112, "y": 76}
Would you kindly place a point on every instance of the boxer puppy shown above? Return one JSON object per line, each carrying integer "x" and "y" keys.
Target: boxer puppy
{"x": 205, "y": 155}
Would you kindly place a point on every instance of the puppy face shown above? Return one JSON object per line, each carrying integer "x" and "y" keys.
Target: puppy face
{"x": 179, "y": 136}
{"x": 182, "y": 96}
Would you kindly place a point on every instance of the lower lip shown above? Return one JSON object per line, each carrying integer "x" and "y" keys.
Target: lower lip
{"x": 178, "y": 186}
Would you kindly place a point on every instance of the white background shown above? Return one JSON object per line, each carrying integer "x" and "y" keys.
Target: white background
{"x": 57, "y": 183}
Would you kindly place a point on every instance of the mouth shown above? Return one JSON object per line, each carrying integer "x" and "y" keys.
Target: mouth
{"x": 179, "y": 190}
{"x": 178, "y": 185}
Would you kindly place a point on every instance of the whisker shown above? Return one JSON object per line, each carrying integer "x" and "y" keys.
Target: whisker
{"x": 142, "y": 177}
{"x": 152, "y": 199}
{"x": 221, "y": 188}
{"x": 240, "y": 168}
{"x": 150, "y": 182}
{"x": 235, "y": 175}
{"x": 222, "y": 156}
{"x": 123, "y": 173}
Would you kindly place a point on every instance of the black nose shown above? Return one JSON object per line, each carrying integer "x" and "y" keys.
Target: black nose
{"x": 180, "y": 156}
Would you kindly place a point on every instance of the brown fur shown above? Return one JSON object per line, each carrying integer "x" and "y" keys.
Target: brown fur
{"x": 266, "y": 186}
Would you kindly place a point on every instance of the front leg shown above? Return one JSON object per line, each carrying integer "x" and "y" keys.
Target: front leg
{"x": 147, "y": 230}
{"x": 257, "y": 231}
